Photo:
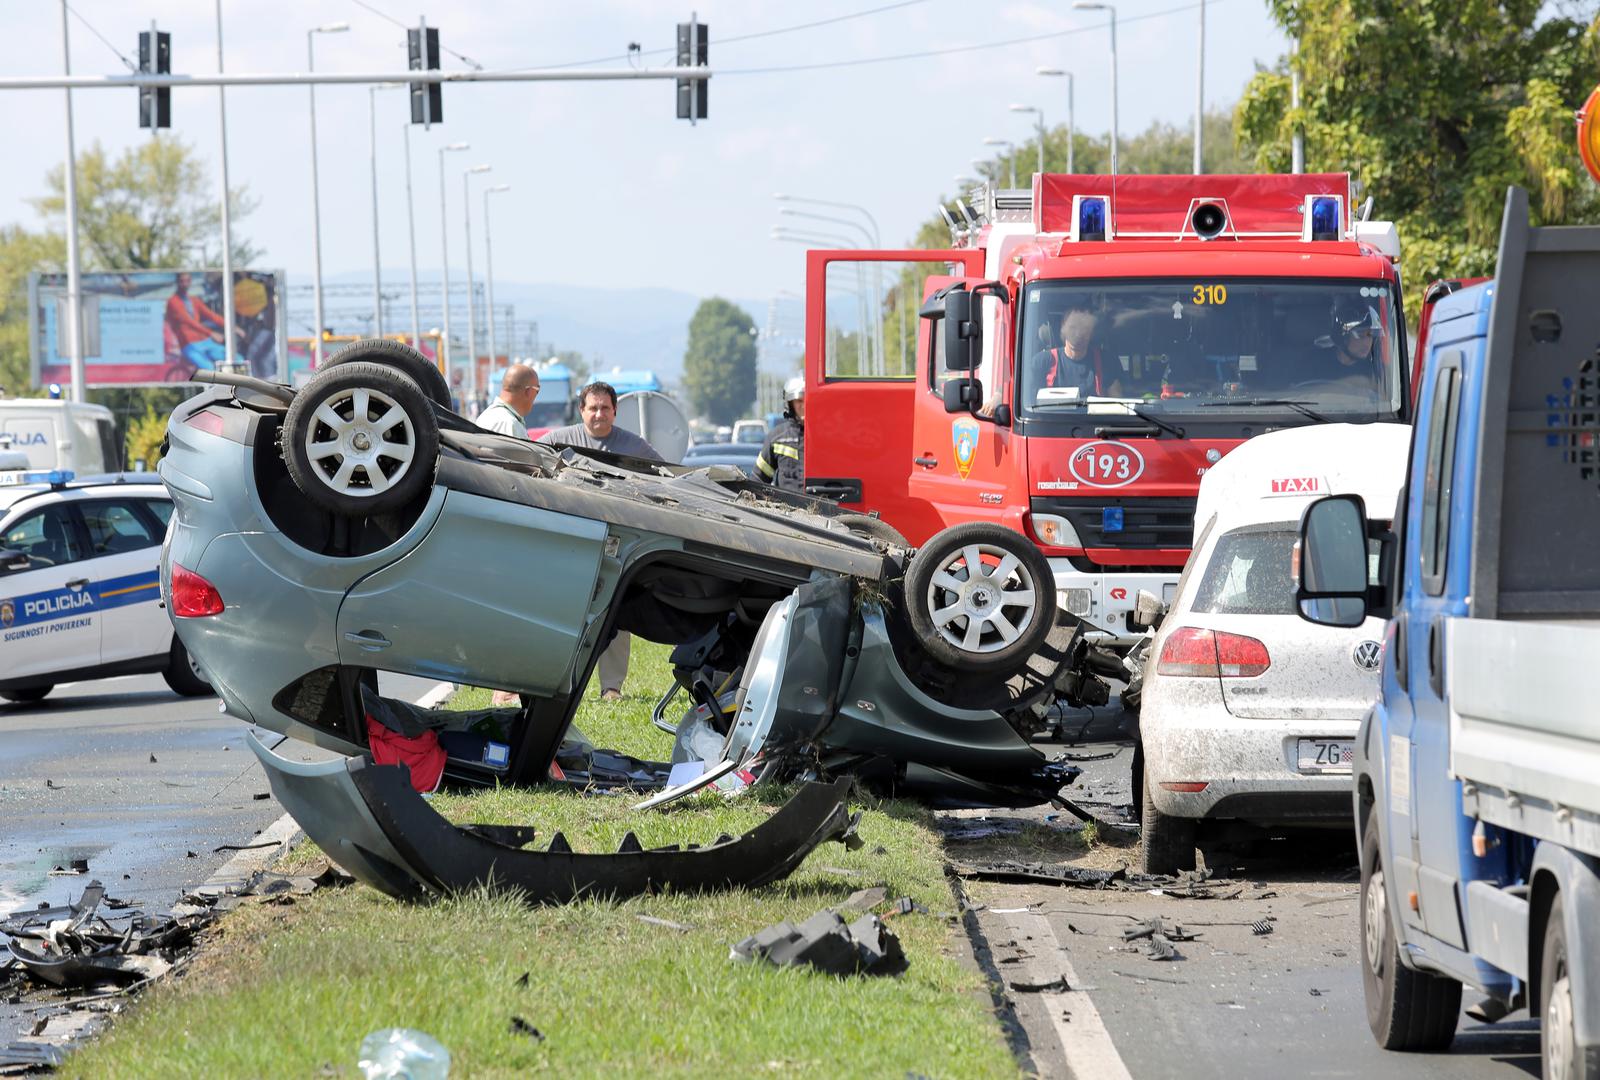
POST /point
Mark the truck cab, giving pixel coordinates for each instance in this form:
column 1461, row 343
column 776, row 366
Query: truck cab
column 1476, row 796
column 1085, row 351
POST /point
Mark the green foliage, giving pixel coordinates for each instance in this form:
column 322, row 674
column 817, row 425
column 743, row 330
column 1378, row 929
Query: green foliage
column 719, row 368
column 154, row 207
column 21, row 253
column 1434, row 108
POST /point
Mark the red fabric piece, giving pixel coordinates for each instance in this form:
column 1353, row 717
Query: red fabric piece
column 423, row 757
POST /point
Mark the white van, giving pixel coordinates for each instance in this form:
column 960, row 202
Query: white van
column 77, row 437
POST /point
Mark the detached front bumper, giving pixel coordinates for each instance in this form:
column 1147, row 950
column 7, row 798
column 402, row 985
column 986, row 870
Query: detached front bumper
column 369, row 820
column 1103, row 601
column 1250, row 768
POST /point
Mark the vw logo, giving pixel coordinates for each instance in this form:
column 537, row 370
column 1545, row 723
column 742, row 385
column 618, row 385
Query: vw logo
column 1368, row 655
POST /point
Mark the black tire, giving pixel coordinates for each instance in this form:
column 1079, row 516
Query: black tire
column 181, row 673
column 1406, row 1009
column 1560, row 1055
column 27, row 695
column 1168, row 842
column 402, row 357
column 874, row 528
column 403, row 456
column 930, row 600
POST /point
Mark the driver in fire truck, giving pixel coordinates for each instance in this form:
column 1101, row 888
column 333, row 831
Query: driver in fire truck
column 1073, row 367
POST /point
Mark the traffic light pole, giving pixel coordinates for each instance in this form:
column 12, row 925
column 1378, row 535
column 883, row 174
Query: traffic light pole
column 229, row 343
column 74, row 284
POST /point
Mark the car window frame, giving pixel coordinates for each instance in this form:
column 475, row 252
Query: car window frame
column 147, row 519
column 75, row 525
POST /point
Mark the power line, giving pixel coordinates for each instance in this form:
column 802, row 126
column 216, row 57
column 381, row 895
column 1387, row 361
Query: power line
column 469, row 61
column 723, row 72
column 131, row 65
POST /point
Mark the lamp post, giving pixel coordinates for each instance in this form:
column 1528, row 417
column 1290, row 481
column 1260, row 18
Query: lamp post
column 862, row 210
column 1059, row 73
column 790, row 211
column 488, row 266
column 1200, row 94
column 1011, row 154
column 316, row 208
column 472, row 318
column 228, row 320
column 411, row 233
column 1095, row 5
column 444, row 247
column 377, row 260
column 1038, row 112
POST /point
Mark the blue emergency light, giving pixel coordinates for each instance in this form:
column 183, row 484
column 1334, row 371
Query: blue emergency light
column 1091, row 218
column 1324, row 218
column 55, row 477
column 1111, row 519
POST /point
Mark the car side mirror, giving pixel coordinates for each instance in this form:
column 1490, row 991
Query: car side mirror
column 963, row 395
column 11, row 561
column 1331, row 587
column 1147, row 610
column 1001, row 415
column 963, row 336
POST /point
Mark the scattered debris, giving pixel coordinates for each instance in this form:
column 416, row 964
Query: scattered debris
column 1142, row 979
column 519, row 1026
column 1261, row 927
column 1160, row 948
column 864, row 899
column 826, row 942
column 1058, row 985
column 957, row 830
column 402, row 1052
column 259, row 796
column 76, row 866
column 1317, row 993
column 152, row 759
column 1188, row 885
column 1157, row 927
column 653, row 921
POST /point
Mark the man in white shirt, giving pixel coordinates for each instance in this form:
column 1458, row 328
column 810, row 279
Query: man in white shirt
column 518, row 390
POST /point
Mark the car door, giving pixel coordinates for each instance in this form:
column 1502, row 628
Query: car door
column 49, row 620
column 123, row 566
column 861, row 345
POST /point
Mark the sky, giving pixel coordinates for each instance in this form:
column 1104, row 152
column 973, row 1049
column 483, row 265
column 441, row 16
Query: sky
column 608, row 188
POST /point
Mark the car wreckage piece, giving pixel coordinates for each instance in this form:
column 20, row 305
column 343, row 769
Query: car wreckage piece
column 369, row 820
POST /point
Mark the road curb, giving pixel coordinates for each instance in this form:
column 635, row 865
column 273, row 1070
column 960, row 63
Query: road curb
column 274, row 842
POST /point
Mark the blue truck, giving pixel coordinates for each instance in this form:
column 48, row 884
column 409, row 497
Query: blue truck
column 1477, row 773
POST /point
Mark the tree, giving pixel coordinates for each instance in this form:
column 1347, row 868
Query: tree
column 719, row 368
column 1434, row 112
column 21, row 253
column 153, row 208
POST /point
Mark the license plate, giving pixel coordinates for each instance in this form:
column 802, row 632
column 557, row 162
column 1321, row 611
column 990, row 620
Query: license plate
column 1326, row 755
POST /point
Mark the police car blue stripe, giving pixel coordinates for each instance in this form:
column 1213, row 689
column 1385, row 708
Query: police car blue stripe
column 61, row 603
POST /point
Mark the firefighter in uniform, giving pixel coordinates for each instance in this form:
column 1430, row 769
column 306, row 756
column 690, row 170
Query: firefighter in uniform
column 782, row 459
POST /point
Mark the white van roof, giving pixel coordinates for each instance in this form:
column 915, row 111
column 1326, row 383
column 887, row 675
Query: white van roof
column 1273, row 477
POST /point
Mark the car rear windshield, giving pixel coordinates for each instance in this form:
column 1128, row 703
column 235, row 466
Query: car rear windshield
column 1251, row 572
column 1212, row 348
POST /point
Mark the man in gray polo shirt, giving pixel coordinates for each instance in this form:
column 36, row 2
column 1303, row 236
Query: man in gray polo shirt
column 599, row 431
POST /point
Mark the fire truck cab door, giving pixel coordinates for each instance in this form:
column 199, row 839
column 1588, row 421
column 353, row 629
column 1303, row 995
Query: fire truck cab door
column 864, row 341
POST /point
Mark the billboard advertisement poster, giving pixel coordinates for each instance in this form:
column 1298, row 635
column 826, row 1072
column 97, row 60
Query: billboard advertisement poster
column 300, row 351
column 148, row 327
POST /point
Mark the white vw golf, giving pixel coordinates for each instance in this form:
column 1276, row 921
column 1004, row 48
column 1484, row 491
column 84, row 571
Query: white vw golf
column 79, row 593
column 1249, row 713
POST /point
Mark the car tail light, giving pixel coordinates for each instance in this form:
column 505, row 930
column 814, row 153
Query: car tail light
column 192, row 595
column 1188, row 787
column 206, row 421
column 1190, row 651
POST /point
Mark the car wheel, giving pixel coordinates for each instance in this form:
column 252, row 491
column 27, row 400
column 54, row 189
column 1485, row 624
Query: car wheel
column 1563, row 1058
column 1406, row 1010
column 872, row 528
column 1168, row 842
column 401, row 357
column 361, row 439
column 980, row 597
column 183, row 674
column 27, row 695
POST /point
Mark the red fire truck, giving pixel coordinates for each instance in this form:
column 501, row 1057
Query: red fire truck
column 1086, row 350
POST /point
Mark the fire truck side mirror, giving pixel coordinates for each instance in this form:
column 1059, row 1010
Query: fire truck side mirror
column 963, row 337
column 963, row 395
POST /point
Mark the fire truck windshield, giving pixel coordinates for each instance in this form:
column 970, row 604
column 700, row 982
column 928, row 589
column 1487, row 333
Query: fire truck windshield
column 1325, row 349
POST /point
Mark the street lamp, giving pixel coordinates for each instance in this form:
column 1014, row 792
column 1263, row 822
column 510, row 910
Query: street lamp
column 377, row 259
column 1011, row 154
column 1200, row 93
column 411, row 232
column 444, row 246
column 1060, row 73
column 1096, row 5
column 968, row 181
column 862, row 210
column 488, row 266
column 1040, row 114
column 316, row 209
column 792, row 212
column 472, row 318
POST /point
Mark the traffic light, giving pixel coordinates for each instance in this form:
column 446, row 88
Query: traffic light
column 693, row 39
column 427, row 99
column 155, row 58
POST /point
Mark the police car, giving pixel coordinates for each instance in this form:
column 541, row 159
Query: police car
column 79, row 592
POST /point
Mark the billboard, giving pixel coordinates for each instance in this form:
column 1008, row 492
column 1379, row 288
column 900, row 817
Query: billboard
column 300, row 351
column 147, row 327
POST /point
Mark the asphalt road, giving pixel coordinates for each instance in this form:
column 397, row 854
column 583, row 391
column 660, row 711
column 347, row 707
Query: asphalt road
column 142, row 783
column 1237, row 1004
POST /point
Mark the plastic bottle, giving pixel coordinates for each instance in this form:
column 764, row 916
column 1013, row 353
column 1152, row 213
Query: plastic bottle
column 403, row 1054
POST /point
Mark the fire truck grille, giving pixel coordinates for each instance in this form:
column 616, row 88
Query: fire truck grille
column 1146, row 523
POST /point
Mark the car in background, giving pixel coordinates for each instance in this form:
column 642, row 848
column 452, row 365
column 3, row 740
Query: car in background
column 748, row 432
column 79, row 591
column 740, row 455
column 1249, row 713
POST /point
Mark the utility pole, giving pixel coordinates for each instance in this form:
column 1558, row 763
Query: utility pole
column 74, row 285
column 1200, row 96
column 228, row 322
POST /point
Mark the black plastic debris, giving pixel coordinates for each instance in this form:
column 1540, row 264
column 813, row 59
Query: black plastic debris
column 1261, row 927
column 1188, row 885
column 519, row 1026
column 829, row 944
column 1058, row 985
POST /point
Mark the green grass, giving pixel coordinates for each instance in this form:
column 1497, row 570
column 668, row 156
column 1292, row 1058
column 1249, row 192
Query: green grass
column 286, row 991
